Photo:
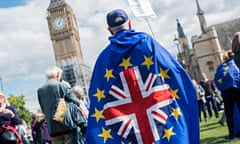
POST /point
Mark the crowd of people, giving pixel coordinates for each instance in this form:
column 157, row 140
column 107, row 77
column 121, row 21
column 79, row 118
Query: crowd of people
column 73, row 128
column 209, row 99
column 43, row 129
column 14, row 130
column 39, row 132
column 224, row 90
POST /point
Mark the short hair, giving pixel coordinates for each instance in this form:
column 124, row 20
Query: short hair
column 228, row 55
column 78, row 91
column 53, row 71
column 119, row 28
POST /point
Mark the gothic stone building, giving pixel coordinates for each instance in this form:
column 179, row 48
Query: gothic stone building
column 208, row 47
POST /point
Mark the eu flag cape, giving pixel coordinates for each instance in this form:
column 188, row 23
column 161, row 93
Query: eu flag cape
column 228, row 75
column 139, row 93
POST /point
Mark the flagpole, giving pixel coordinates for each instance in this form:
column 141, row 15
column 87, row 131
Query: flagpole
column 150, row 27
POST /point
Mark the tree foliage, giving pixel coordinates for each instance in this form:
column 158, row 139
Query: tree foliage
column 19, row 103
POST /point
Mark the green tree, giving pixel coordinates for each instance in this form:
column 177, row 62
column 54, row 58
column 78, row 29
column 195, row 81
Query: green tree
column 19, row 103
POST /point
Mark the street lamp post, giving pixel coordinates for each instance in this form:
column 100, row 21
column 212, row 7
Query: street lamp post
column 175, row 40
column 180, row 56
column 1, row 83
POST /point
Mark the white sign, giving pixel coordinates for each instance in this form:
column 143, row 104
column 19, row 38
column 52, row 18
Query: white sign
column 141, row 8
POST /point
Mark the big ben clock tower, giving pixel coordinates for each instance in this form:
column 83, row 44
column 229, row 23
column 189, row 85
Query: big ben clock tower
column 66, row 43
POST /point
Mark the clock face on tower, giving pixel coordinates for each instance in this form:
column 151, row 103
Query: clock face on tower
column 59, row 23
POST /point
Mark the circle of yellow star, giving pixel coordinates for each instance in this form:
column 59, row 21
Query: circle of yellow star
column 168, row 133
column 174, row 93
column 226, row 67
column 176, row 113
column 126, row 63
column 105, row 134
column 99, row 94
column 164, row 73
column 224, row 73
column 98, row 114
column 219, row 81
column 109, row 74
column 148, row 61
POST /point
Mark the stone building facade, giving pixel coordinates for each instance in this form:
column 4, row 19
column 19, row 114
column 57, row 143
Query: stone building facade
column 208, row 47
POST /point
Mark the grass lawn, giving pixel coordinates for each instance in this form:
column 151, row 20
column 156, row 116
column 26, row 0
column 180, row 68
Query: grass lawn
column 212, row 132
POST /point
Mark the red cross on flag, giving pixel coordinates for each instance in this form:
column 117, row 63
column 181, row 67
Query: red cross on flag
column 137, row 105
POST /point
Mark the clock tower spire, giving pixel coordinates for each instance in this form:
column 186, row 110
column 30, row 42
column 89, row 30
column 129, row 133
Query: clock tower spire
column 56, row 3
column 66, row 43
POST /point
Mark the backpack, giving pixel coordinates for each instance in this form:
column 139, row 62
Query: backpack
column 9, row 135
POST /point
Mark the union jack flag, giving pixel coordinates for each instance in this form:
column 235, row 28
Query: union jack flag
column 140, row 94
column 137, row 103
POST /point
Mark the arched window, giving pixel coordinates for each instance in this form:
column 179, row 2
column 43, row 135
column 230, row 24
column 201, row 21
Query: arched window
column 210, row 65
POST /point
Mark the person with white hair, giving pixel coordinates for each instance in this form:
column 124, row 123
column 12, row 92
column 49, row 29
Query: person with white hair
column 48, row 96
column 84, row 105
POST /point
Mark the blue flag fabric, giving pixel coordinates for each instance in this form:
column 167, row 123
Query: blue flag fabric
column 236, row 118
column 228, row 75
column 139, row 93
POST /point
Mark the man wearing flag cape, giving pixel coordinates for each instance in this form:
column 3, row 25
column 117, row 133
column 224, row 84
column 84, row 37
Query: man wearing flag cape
column 139, row 93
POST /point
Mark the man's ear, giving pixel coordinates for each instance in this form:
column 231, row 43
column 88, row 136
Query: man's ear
column 129, row 24
column 58, row 76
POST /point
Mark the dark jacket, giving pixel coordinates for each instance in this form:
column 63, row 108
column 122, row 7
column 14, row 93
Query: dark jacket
column 6, row 118
column 42, row 132
column 208, row 86
column 48, row 96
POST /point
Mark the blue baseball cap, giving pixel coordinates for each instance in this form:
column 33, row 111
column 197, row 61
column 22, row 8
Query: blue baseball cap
column 116, row 17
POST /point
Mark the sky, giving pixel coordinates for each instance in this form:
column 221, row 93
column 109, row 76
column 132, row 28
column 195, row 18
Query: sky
column 26, row 49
